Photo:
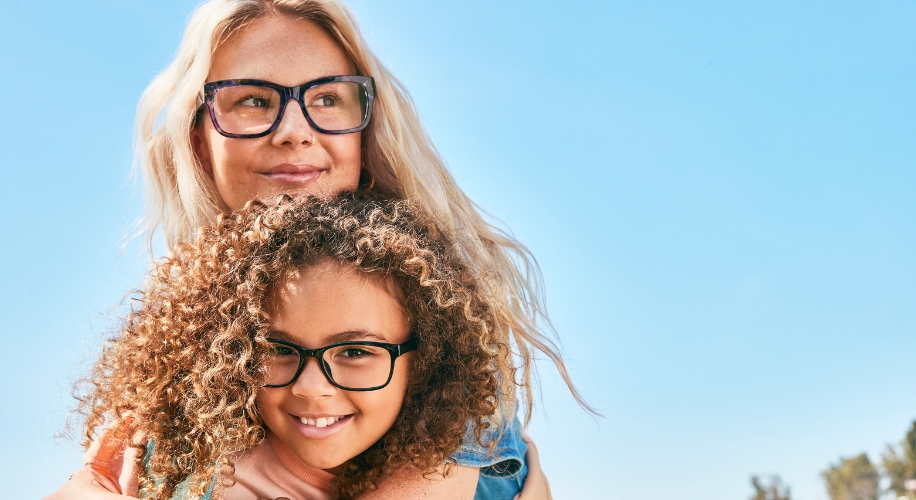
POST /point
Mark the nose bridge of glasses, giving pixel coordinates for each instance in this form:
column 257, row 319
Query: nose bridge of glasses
column 310, row 357
column 294, row 95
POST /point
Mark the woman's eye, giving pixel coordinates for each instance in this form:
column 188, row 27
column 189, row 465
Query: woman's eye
column 255, row 102
column 325, row 101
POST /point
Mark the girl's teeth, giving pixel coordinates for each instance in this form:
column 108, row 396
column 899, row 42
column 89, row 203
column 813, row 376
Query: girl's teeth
column 319, row 422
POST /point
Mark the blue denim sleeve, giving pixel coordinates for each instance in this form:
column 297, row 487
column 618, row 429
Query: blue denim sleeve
column 502, row 470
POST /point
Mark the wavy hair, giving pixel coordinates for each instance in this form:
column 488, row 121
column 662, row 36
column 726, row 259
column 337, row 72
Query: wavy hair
column 396, row 150
column 185, row 370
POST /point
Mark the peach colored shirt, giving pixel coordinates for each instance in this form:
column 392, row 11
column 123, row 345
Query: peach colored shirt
column 270, row 470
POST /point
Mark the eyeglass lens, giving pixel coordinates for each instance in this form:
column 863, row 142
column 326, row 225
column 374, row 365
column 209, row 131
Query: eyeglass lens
column 252, row 109
column 350, row 366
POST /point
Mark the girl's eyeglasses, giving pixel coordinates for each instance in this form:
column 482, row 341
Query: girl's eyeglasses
column 351, row 366
column 245, row 109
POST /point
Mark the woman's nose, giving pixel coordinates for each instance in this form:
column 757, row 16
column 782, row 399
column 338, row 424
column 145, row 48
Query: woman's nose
column 293, row 127
column 312, row 382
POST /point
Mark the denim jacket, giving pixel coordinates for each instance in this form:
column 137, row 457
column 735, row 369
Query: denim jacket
column 503, row 470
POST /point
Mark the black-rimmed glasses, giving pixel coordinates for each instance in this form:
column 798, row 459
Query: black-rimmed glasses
column 351, row 366
column 245, row 109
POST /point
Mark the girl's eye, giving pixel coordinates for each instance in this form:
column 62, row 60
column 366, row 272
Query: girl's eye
column 357, row 353
column 354, row 353
column 280, row 350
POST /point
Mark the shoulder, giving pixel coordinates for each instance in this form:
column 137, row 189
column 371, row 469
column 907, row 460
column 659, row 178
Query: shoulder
column 409, row 484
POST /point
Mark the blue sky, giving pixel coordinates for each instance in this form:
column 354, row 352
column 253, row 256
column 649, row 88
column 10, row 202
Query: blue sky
column 720, row 195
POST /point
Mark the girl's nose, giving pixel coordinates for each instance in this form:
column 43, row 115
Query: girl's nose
column 312, row 383
column 293, row 128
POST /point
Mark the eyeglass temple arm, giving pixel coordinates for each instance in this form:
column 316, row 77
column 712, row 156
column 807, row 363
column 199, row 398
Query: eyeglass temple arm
column 410, row 345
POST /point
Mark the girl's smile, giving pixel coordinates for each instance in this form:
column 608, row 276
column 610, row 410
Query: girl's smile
column 320, row 427
column 326, row 303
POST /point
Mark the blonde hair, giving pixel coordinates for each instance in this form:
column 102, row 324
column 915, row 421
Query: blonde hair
column 396, row 150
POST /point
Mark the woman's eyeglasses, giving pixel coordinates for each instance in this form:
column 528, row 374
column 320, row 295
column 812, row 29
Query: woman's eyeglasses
column 352, row 366
column 247, row 108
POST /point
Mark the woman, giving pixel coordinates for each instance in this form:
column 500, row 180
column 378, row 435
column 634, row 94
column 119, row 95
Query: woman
column 207, row 149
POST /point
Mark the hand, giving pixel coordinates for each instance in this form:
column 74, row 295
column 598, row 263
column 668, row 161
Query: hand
column 536, row 486
column 83, row 486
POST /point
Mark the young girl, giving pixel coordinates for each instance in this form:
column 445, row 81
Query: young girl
column 300, row 349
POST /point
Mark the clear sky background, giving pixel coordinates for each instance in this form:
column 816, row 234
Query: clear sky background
column 720, row 194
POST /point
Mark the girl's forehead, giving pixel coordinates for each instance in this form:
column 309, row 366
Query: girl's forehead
column 281, row 49
column 329, row 298
column 348, row 278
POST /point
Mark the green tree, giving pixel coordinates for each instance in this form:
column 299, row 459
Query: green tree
column 772, row 491
column 853, row 478
column 901, row 466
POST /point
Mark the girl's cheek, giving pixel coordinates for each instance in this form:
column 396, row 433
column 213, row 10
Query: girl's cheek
column 268, row 405
column 397, row 396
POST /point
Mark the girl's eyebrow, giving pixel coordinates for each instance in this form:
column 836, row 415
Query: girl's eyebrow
column 280, row 335
column 356, row 335
column 347, row 336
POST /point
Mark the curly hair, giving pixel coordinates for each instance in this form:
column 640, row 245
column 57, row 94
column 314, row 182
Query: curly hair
column 186, row 367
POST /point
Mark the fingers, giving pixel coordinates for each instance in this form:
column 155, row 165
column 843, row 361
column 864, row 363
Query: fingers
column 532, row 457
column 536, row 486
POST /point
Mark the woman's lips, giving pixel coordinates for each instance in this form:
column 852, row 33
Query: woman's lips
column 310, row 429
column 289, row 173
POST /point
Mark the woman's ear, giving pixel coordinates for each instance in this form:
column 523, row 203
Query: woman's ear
column 201, row 149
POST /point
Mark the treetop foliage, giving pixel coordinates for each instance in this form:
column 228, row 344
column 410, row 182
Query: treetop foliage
column 853, row 478
column 775, row 490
